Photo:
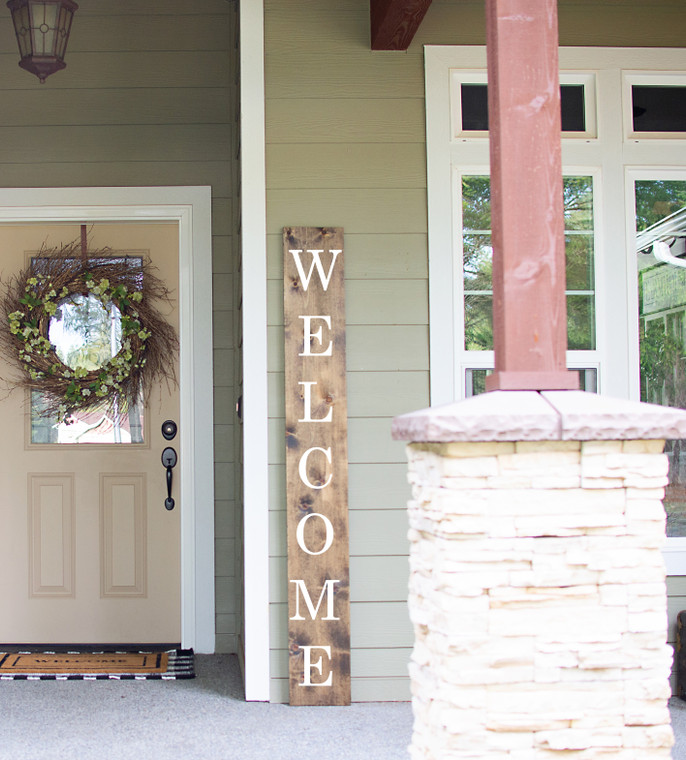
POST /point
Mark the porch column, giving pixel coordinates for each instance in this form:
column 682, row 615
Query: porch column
column 529, row 309
column 537, row 584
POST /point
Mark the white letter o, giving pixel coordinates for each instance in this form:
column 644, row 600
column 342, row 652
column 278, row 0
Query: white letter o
column 300, row 533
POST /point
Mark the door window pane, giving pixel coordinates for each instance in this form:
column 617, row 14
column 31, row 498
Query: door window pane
column 662, row 315
column 86, row 334
column 478, row 261
column 93, row 426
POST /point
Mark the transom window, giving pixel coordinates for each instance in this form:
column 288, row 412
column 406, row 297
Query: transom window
column 474, row 107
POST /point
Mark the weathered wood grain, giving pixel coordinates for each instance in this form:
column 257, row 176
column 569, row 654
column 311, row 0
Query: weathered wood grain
column 317, row 469
column 395, row 22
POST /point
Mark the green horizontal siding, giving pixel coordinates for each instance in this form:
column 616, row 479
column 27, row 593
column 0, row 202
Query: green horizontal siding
column 346, row 147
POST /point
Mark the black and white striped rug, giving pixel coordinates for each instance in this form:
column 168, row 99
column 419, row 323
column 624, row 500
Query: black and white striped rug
column 80, row 665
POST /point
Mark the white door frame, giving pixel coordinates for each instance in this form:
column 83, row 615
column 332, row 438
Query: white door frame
column 191, row 208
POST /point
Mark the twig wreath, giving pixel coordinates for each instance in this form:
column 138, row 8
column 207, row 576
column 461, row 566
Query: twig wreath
column 55, row 278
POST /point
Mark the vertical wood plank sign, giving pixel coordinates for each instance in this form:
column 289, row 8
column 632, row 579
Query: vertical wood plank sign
column 316, row 467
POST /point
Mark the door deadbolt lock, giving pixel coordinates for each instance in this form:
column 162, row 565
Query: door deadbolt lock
column 169, row 429
column 169, row 460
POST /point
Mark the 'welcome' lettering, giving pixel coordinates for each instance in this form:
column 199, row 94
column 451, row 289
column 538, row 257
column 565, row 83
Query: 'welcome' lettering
column 316, row 467
column 327, row 590
column 316, row 262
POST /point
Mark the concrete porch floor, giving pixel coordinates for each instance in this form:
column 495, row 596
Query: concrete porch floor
column 202, row 719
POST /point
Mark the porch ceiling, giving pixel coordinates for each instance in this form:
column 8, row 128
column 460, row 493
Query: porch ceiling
column 395, row 22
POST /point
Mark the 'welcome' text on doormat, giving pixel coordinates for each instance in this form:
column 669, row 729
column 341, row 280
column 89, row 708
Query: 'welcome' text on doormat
column 96, row 665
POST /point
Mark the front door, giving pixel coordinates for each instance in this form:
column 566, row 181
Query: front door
column 90, row 553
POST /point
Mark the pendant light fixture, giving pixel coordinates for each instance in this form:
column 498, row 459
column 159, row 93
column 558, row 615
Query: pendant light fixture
column 42, row 28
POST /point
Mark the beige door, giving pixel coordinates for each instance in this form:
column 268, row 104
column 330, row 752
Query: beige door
column 89, row 552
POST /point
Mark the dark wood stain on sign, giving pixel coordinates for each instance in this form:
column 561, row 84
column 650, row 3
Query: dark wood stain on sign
column 316, row 467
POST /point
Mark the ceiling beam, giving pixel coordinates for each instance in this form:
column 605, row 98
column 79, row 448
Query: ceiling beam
column 395, row 22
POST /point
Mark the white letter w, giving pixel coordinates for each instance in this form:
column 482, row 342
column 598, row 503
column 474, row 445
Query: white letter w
column 316, row 262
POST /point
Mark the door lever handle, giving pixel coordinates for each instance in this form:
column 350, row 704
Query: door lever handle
column 169, row 460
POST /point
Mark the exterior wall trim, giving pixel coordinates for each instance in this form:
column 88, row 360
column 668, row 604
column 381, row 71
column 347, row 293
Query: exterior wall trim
column 255, row 635
column 191, row 208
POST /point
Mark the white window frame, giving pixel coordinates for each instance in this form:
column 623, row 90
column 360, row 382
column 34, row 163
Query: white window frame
column 656, row 78
column 675, row 550
column 612, row 153
column 464, row 359
column 478, row 76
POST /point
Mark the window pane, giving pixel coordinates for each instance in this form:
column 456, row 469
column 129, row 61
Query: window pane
column 578, row 202
column 478, row 328
column 86, row 334
column 474, row 107
column 580, row 323
column 588, row 380
column 476, row 203
column 580, row 268
column 474, row 101
column 656, row 199
column 662, row 326
column 658, row 109
column 572, row 104
column 478, row 262
column 94, row 426
column 475, row 380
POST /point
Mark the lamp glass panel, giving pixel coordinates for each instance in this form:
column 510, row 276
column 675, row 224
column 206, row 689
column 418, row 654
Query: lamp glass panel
column 63, row 29
column 20, row 17
column 44, row 24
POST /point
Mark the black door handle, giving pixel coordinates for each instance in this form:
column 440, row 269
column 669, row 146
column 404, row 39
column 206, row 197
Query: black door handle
column 169, row 460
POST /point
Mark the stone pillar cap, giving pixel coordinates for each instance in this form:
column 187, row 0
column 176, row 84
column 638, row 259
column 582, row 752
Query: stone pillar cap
column 541, row 416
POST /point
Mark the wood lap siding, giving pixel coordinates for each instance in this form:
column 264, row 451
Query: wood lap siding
column 346, row 147
column 148, row 98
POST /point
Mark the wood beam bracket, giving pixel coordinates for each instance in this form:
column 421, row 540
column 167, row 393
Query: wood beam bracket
column 394, row 23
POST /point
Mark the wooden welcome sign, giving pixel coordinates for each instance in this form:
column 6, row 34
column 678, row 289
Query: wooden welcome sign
column 316, row 467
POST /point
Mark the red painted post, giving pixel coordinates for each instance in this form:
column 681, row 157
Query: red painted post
column 529, row 309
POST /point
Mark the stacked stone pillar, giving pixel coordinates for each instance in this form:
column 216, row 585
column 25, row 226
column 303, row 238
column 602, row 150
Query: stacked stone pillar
column 537, row 587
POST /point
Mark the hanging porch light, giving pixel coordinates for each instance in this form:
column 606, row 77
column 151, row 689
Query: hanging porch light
column 42, row 28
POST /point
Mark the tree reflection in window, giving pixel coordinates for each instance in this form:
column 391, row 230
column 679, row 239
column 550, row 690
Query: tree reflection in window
column 478, row 262
column 86, row 335
column 662, row 322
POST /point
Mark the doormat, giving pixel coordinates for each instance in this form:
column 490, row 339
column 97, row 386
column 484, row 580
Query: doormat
column 96, row 666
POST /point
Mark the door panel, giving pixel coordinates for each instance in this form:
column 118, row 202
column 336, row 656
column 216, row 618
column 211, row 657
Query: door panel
column 92, row 555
